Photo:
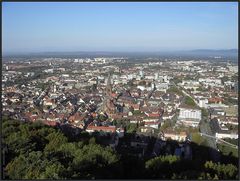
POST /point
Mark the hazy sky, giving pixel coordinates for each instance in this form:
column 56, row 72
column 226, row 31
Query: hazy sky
column 137, row 26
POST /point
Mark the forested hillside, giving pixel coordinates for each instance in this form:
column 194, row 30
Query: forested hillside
column 37, row 151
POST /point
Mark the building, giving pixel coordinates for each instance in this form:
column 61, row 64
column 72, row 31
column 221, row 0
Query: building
column 221, row 131
column 141, row 73
column 190, row 113
column 108, row 105
column 105, row 129
column 170, row 134
column 152, row 124
column 203, row 102
column 189, row 116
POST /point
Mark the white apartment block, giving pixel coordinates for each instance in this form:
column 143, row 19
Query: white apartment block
column 186, row 113
column 210, row 80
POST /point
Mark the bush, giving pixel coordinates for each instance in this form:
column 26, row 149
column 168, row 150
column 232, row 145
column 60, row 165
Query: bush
column 174, row 89
column 189, row 101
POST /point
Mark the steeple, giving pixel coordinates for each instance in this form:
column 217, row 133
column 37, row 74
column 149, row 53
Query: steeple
column 109, row 86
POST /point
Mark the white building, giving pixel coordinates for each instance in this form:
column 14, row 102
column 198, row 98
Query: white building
column 210, row 81
column 189, row 117
column 65, row 75
column 175, row 136
column 164, row 78
column 203, row 103
column 190, row 113
column 222, row 135
column 48, row 70
column 162, row 86
column 141, row 73
column 150, row 77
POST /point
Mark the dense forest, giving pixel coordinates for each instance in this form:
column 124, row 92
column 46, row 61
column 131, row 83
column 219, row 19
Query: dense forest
column 37, row 151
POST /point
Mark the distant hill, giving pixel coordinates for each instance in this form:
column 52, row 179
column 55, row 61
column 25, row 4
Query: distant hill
column 211, row 52
column 216, row 51
column 224, row 53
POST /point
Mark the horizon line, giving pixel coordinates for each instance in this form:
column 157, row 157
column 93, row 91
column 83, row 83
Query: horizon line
column 116, row 51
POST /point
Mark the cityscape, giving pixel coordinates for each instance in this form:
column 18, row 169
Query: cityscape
column 120, row 114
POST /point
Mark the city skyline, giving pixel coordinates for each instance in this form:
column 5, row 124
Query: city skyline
column 119, row 26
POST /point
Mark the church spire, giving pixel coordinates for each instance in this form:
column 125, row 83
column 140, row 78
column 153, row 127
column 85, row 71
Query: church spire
column 109, row 86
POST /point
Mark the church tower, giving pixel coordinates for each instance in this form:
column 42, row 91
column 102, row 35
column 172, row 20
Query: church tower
column 109, row 87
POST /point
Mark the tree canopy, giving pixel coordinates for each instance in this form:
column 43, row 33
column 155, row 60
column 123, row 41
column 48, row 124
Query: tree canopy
column 37, row 151
column 189, row 101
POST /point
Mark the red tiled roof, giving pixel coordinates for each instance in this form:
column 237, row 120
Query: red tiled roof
column 94, row 114
column 33, row 117
column 114, row 95
column 102, row 128
column 61, row 116
column 30, row 116
column 153, row 115
column 215, row 99
column 135, row 106
column 76, row 116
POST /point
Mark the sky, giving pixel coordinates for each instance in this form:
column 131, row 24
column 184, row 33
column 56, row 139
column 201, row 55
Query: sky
column 118, row 26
